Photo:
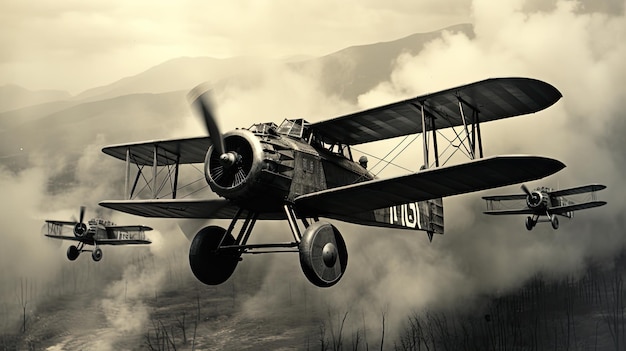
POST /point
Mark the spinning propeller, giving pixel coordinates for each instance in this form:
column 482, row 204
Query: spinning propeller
column 80, row 228
column 532, row 198
column 227, row 159
column 230, row 161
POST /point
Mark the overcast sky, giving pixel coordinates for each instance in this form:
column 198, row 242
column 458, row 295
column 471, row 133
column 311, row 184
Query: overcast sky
column 75, row 45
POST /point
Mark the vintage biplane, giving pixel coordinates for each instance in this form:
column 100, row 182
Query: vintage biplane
column 95, row 232
column 546, row 202
column 299, row 172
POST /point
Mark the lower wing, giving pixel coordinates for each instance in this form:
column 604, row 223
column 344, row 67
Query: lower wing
column 576, row 207
column 578, row 190
column 122, row 242
column 64, row 237
column 524, row 211
column 130, row 228
column 182, row 208
column 428, row 184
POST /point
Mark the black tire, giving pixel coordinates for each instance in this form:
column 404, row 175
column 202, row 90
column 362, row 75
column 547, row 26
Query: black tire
column 529, row 223
column 323, row 254
column 96, row 254
column 209, row 265
column 555, row 222
column 72, row 253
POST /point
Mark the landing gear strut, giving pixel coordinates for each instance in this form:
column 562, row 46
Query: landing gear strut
column 215, row 253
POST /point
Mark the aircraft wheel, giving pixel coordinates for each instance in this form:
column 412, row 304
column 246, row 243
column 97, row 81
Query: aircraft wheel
column 210, row 266
column 555, row 222
column 97, row 254
column 323, row 254
column 529, row 223
column 72, row 253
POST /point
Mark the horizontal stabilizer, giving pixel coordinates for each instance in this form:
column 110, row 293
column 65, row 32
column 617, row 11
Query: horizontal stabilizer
column 182, row 208
column 169, row 152
column 428, row 184
column 578, row 190
column 576, row 207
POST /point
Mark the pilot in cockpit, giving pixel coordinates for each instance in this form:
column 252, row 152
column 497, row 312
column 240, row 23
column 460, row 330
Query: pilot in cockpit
column 363, row 161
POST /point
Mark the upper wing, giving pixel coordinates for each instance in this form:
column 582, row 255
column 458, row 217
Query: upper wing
column 428, row 184
column 169, row 152
column 505, row 197
column 510, row 212
column 579, row 190
column 576, row 207
column 493, row 99
column 182, row 208
column 61, row 222
column 122, row 242
column 130, row 228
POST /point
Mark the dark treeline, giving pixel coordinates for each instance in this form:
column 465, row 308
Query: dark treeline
column 583, row 312
column 574, row 313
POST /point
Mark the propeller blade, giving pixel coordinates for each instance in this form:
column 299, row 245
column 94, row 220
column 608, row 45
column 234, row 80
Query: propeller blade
column 525, row 189
column 202, row 101
column 82, row 214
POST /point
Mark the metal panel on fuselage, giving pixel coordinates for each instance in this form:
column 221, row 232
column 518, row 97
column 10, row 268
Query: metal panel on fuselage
column 308, row 175
column 423, row 215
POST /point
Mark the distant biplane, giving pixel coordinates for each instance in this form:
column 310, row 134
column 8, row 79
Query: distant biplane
column 96, row 232
column 301, row 171
column 545, row 201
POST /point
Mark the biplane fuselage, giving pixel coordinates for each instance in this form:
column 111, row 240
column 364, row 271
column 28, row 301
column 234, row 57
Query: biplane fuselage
column 95, row 232
column 289, row 161
column 545, row 202
column 302, row 171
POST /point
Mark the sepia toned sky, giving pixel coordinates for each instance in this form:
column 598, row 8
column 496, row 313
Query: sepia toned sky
column 75, row 45
column 577, row 46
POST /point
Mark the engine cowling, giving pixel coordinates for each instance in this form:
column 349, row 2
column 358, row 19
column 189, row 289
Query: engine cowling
column 537, row 199
column 234, row 180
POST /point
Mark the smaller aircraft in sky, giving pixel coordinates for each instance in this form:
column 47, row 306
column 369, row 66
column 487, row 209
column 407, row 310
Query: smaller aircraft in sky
column 96, row 232
column 545, row 201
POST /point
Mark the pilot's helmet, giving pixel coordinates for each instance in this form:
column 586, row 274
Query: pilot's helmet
column 363, row 161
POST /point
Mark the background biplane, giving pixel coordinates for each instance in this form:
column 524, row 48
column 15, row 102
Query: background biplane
column 96, row 232
column 547, row 202
column 300, row 171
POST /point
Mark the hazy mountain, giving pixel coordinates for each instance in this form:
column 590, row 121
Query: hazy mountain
column 67, row 129
column 148, row 104
column 177, row 74
column 342, row 66
column 357, row 69
column 14, row 97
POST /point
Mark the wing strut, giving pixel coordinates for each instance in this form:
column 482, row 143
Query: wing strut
column 467, row 134
column 424, row 139
column 470, row 138
column 154, row 182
